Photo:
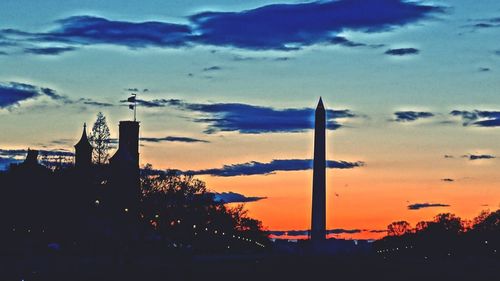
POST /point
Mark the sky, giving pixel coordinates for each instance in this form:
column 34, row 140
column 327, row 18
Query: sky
column 227, row 91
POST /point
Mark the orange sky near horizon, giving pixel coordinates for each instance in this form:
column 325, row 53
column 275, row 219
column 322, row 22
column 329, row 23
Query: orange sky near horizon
column 404, row 166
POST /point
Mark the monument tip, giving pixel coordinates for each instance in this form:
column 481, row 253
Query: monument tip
column 320, row 103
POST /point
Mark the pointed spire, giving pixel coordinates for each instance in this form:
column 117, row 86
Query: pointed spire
column 320, row 103
column 84, row 141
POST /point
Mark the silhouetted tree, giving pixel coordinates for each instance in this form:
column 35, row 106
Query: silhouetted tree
column 398, row 228
column 180, row 208
column 100, row 139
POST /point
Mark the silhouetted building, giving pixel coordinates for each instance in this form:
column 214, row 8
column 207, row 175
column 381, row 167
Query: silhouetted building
column 128, row 147
column 31, row 158
column 83, row 151
column 125, row 180
column 318, row 221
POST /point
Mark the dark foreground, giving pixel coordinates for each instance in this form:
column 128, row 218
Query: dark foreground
column 263, row 267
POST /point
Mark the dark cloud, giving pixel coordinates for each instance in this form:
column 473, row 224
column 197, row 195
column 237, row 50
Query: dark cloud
column 21, row 153
column 172, row 139
column 259, row 168
column 485, row 23
column 273, row 27
column 402, row 51
column 479, row 118
column 152, row 103
column 136, row 90
column 418, row 206
column 408, row 116
column 378, row 231
column 484, row 69
column 50, row 51
column 293, row 26
column 250, row 119
column 96, row 103
column 306, row 232
column 89, row 30
column 343, row 231
column 447, row 180
column 12, row 93
column 339, row 40
column 479, row 156
column 232, row 197
column 212, row 68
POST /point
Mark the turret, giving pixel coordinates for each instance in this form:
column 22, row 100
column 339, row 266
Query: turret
column 83, row 151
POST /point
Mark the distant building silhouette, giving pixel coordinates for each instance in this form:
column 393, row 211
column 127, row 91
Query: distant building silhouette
column 31, row 158
column 318, row 221
column 83, row 151
column 125, row 180
column 128, row 147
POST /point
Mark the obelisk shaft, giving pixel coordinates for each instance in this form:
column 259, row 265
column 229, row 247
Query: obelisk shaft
column 318, row 222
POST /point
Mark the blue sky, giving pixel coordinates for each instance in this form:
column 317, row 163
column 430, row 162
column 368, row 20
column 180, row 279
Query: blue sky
column 232, row 84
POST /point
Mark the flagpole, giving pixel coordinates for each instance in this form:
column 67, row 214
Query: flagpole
column 135, row 108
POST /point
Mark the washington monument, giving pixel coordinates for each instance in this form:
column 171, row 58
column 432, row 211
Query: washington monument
column 318, row 221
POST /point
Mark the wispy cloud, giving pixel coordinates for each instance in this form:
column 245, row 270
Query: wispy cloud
column 298, row 233
column 232, row 197
column 418, row 206
column 21, row 153
column 479, row 118
column 260, row 168
column 172, row 139
column 402, row 52
column 478, row 156
column 13, row 93
column 49, row 51
column 409, row 116
column 212, row 68
column 251, row 119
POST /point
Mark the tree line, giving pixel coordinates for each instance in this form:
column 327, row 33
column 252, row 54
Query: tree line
column 447, row 235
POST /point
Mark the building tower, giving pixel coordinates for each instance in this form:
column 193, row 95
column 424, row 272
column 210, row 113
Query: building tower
column 125, row 167
column 128, row 146
column 83, row 151
column 318, row 221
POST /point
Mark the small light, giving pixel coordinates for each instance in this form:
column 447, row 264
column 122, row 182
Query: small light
column 126, row 210
column 223, row 233
column 178, row 221
column 97, row 202
column 486, row 242
column 215, row 231
column 157, row 216
column 206, row 228
column 29, row 230
column 228, row 246
column 194, row 225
